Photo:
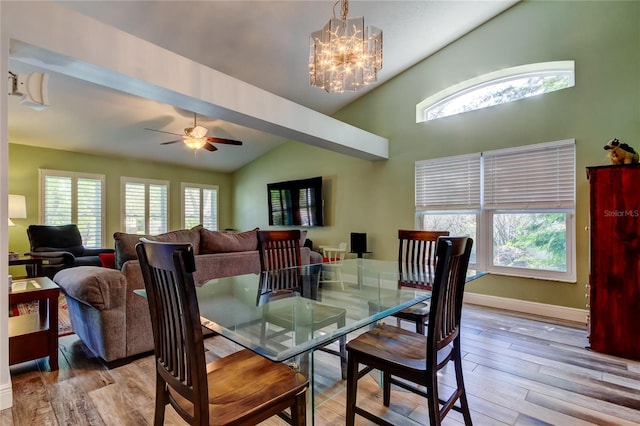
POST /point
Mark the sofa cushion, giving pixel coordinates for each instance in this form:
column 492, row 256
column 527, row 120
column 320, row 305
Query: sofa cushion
column 99, row 287
column 227, row 242
column 126, row 243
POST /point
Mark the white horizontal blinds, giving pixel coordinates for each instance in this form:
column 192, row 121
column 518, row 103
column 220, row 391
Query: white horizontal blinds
column 448, row 184
column 57, row 200
column 89, row 211
column 158, row 205
column 540, row 176
column 210, row 209
column 192, row 207
column 135, row 208
column 70, row 197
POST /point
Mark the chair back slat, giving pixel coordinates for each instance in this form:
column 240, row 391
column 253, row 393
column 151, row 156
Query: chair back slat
column 168, row 269
column 447, row 292
column 417, row 257
column 279, row 249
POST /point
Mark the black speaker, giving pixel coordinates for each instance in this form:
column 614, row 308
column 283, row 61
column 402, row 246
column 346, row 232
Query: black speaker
column 358, row 242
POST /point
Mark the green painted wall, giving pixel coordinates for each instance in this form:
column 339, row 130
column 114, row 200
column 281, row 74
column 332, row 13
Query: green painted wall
column 24, row 162
column 377, row 197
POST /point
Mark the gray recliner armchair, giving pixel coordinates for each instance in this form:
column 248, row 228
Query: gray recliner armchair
column 61, row 247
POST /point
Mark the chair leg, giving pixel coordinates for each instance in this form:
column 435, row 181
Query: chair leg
column 342, row 342
column 464, row 404
column 299, row 410
column 420, row 325
column 386, row 388
column 433, row 403
column 352, row 389
column 161, row 401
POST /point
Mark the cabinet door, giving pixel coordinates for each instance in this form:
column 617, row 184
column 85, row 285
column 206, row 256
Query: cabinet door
column 615, row 260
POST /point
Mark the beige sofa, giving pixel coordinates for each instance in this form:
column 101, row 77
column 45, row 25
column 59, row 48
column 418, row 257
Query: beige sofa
column 113, row 321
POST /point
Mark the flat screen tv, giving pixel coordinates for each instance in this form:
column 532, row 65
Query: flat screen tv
column 296, row 203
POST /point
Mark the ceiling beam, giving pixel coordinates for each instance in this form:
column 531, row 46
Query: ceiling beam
column 72, row 44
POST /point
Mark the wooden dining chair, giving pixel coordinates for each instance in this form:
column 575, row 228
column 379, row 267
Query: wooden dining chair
column 411, row 360
column 241, row 388
column 280, row 251
column 416, row 268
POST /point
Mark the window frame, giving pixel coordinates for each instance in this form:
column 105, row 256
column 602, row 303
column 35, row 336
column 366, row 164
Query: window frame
column 201, row 187
column 485, row 218
column 496, row 77
column 74, row 176
column 147, row 182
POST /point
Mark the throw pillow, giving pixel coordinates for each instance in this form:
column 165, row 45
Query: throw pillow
column 227, row 242
column 126, row 243
column 108, row 260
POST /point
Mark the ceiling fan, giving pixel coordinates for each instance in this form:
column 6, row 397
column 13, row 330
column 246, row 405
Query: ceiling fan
column 195, row 137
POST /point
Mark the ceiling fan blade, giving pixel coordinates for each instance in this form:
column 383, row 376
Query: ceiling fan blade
column 170, row 142
column 223, row 141
column 209, row 147
column 162, row 131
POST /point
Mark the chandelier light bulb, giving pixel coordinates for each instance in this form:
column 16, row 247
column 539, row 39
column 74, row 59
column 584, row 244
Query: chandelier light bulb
column 345, row 55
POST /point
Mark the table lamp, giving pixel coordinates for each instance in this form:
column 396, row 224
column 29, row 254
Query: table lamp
column 17, row 208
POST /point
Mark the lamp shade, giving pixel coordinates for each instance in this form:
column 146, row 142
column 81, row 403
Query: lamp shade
column 17, row 208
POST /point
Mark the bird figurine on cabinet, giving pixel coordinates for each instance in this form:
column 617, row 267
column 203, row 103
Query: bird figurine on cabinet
column 621, row 153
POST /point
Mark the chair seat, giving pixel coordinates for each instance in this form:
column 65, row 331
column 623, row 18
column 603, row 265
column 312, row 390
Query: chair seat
column 242, row 384
column 418, row 310
column 395, row 346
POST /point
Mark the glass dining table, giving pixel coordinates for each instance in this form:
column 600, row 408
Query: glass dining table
column 250, row 310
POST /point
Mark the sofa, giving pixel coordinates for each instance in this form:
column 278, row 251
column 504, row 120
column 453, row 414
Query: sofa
column 113, row 321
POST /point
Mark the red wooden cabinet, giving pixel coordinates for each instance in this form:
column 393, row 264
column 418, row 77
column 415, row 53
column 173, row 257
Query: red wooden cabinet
column 615, row 260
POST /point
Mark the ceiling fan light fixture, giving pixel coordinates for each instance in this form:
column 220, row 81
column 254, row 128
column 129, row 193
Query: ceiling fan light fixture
column 345, row 55
column 196, row 132
column 194, row 143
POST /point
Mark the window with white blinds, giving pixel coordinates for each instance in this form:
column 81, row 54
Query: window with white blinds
column 145, row 206
column 518, row 204
column 69, row 197
column 451, row 183
column 199, row 206
column 536, row 176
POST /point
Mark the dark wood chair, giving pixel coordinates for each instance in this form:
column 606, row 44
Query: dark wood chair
column 416, row 268
column 242, row 388
column 410, row 360
column 280, row 255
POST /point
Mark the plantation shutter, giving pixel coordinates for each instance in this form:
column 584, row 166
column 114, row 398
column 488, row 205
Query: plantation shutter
column 158, row 209
column 89, row 211
column 135, row 208
column 146, row 206
column 448, row 184
column 210, row 209
column 69, row 197
column 200, row 206
column 58, row 200
column 535, row 176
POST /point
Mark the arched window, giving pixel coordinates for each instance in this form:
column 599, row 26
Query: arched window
column 499, row 87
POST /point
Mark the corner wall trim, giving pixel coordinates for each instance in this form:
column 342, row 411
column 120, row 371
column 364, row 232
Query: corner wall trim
column 534, row 308
column 6, row 396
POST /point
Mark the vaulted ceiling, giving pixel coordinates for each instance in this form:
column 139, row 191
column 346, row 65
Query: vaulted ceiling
column 263, row 43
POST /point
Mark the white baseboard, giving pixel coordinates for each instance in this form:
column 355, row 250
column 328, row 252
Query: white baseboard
column 534, row 308
column 6, row 396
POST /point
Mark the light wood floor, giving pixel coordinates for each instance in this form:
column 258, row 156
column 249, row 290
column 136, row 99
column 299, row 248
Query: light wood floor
column 519, row 370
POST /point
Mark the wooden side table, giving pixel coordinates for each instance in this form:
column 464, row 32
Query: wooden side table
column 36, row 262
column 34, row 336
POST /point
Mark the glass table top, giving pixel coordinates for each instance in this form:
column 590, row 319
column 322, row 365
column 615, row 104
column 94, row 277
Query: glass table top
column 310, row 305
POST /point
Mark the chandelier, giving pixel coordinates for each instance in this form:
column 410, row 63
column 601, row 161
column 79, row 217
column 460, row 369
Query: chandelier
column 345, row 55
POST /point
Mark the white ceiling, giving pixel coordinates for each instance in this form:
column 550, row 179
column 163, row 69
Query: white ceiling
column 264, row 43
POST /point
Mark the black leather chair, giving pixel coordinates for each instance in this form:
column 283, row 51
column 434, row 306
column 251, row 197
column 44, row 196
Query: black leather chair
column 61, row 247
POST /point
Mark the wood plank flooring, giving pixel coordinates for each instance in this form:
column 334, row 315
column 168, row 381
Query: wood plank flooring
column 519, row 370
